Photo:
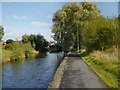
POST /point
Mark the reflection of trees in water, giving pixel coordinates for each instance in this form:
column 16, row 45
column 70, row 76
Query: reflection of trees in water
column 38, row 56
column 41, row 55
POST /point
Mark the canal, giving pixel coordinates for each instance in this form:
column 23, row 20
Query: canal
column 32, row 73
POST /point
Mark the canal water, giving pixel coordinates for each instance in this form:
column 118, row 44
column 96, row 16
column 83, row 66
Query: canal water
column 35, row 73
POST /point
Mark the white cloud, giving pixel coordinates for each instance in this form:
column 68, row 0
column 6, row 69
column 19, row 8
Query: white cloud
column 19, row 17
column 37, row 23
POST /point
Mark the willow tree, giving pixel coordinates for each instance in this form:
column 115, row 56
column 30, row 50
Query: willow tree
column 68, row 18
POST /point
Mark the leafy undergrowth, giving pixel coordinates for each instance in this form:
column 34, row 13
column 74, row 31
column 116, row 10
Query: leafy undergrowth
column 105, row 64
column 8, row 54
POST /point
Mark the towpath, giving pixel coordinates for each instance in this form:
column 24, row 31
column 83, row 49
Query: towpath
column 77, row 74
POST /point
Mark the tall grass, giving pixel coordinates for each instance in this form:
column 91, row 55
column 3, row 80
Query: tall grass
column 105, row 64
column 6, row 54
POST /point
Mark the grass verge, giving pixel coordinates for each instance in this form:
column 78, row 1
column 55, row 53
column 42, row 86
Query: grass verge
column 6, row 55
column 105, row 64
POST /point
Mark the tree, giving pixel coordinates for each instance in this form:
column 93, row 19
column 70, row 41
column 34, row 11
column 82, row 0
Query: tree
column 32, row 40
column 100, row 34
column 40, row 43
column 68, row 18
column 25, row 38
column 9, row 41
column 1, row 32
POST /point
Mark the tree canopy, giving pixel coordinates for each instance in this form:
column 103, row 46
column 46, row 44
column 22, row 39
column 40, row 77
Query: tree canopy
column 9, row 41
column 38, row 42
column 81, row 24
column 68, row 18
column 25, row 38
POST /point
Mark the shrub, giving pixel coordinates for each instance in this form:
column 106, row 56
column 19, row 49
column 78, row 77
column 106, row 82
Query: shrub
column 12, row 46
column 27, row 49
column 16, row 50
column 16, row 55
column 9, row 41
column 19, row 51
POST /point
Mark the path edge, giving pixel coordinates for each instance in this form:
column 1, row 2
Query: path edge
column 94, row 71
column 56, row 81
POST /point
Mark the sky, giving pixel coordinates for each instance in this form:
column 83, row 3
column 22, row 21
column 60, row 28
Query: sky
column 19, row 18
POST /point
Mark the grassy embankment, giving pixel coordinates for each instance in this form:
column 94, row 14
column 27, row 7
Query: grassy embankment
column 7, row 55
column 104, row 63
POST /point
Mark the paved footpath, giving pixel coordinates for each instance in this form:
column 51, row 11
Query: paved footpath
column 78, row 74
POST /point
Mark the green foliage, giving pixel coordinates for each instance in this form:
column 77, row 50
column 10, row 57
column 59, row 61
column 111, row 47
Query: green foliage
column 16, row 54
column 66, row 21
column 82, row 23
column 33, row 44
column 6, row 55
column 38, row 42
column 3, row 47
column 32, row 38
column 1, row 32
column 25, row 38
column 105, row 64
column 9, row 41
column 18, row 50
column 12, row 46
column 27, row 48
column 100, row 34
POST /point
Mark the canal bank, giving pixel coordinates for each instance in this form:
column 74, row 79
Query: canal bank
column 76, row 74
column 6, row 56
column 55, row 83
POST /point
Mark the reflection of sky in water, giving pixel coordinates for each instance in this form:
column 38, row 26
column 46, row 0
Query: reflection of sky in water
column 35, row 73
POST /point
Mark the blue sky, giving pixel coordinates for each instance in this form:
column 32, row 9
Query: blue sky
column 21, row 18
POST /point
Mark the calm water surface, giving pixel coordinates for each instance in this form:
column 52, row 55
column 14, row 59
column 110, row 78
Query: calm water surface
column 34, row 73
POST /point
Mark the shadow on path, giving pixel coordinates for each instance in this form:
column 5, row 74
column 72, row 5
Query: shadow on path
column 74, row 54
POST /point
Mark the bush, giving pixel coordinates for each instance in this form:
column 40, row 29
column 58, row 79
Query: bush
column 12, row 46
column 100, row 34
column 27, row 49
column 19, row 50
column 16, row 50
column 16, row 54
column 9, row 41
